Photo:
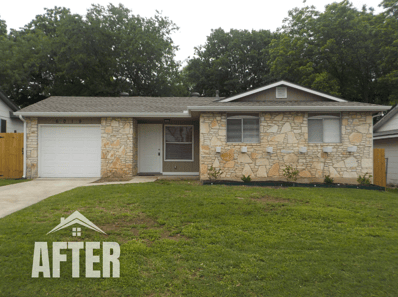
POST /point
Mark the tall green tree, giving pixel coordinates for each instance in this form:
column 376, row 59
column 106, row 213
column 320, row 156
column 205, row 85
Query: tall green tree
column 231, row 62
column 104, row 53
column 341, row 51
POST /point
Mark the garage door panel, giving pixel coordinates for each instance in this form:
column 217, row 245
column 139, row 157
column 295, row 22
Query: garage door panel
column 70, row 151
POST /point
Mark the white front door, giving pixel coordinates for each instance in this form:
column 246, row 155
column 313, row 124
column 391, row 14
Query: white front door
column 150, row 148
column 69, row 151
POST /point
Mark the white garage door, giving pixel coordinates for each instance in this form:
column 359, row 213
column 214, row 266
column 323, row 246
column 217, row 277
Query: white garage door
column 70, row 151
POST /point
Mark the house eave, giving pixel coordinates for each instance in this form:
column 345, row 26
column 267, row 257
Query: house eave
column 385, row 119
column 385, row 137
column 105, row 114
column 287, row 108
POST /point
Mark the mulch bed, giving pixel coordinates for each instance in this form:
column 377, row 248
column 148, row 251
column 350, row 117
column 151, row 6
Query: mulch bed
column 284, row 184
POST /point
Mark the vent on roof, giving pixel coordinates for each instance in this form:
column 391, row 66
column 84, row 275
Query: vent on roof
column 195, row 94
column 281, row 92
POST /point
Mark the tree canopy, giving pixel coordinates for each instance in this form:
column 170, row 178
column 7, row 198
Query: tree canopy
column 231, row 62
column 104, row 53
column 343, row 51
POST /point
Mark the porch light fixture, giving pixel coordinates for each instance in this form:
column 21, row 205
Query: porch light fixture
column 243, row 149
column 269, row 149
column 218, row 149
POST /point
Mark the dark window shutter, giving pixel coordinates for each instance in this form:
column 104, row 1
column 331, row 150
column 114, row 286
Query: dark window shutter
column 3, row 126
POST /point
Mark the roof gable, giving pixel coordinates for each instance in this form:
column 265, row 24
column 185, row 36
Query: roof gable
column 8, row 102
column 283, row 83
column 389, row 121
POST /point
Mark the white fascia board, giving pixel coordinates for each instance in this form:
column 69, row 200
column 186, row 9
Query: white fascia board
column 384, row 137
column 282, row 82
column 288, row 108
column 104, row 114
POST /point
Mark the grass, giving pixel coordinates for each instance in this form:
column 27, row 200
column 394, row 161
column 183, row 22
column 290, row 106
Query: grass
column 6, row 182
column 179, row 238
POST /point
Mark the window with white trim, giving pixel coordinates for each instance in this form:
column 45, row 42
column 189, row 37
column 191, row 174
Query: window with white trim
column 178, row 143
column 243, row 128
column 324, row 128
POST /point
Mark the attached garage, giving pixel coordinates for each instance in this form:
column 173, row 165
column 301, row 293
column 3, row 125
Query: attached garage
column 69, row 151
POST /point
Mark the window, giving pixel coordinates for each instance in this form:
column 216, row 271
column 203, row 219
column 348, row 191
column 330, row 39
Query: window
column 3, row 126
column 243, row 128
column 178, row 143
column 324, row 128
column 281, row 92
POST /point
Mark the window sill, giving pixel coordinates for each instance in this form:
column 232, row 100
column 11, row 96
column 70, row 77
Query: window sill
column 179, row 160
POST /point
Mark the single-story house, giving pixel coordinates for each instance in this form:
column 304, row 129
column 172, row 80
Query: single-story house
column 256, row 133
column 385, row 135
column 9, row 123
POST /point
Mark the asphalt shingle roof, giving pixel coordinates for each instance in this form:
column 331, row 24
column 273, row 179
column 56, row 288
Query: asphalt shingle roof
column 158, row 104
column 117, row 104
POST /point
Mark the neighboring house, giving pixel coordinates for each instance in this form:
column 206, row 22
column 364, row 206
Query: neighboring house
column 9, row 123
column 385, row 135
column 259, row 132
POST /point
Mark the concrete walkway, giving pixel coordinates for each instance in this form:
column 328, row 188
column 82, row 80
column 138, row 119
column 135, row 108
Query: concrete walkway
column 18, row 196
column 134, row 180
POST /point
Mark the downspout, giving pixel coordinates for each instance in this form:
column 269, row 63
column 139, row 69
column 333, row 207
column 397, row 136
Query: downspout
column 24, row 146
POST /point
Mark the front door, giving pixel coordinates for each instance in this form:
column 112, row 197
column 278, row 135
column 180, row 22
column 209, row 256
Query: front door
column 150, row 148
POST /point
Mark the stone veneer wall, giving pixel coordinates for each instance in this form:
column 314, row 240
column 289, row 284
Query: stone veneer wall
column 286, row 132
column 117, row 158
column 32, row 148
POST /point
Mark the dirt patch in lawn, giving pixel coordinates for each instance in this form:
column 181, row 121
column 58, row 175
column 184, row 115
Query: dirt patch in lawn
column 138, row 225
column 270, row 199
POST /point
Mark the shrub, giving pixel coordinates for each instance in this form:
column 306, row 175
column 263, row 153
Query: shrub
column 363, row 180
column 290, row 173
column 328, row 179
column 246, row 179
column 214, row 173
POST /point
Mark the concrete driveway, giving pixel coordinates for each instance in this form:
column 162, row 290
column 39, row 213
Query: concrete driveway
column 18, row 196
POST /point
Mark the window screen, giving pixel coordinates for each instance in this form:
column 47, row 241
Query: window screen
column 324, row 128
column 243, row 129
column 179, row 143
column 315, row 130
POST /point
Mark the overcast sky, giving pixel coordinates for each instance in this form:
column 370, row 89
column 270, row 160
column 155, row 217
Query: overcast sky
column 195, row 18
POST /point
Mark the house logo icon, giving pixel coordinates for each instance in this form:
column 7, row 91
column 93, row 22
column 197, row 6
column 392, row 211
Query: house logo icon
column 76, row 218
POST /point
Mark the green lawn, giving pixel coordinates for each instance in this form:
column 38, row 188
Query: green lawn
column 6, row 182
column 179, row 238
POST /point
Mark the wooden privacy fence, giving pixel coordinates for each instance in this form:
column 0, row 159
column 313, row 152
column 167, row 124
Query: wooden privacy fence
column 379, row 167
column 11, row 155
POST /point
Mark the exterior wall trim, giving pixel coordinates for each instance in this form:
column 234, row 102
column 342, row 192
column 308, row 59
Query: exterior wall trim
column 288, row 108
